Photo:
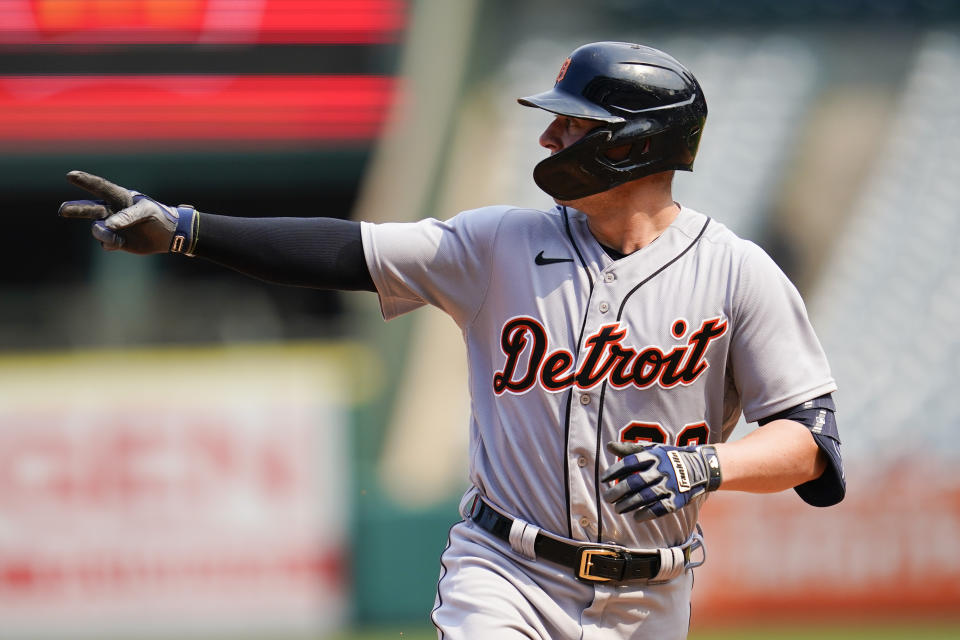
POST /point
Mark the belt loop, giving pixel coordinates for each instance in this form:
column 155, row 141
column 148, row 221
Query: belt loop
column 523, row 535
column 672, row 564
column 529, row 540
column 469, row 503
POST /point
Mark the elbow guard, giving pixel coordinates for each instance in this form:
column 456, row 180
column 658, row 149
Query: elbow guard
column 817, row 415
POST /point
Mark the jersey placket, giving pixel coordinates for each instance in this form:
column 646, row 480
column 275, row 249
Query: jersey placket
column 585, row 415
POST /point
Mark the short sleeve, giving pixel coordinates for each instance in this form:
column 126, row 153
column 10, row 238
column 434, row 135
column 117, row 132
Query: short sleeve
column 442, row 263
column 776, row 358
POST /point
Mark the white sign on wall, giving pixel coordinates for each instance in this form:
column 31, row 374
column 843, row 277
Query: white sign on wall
column 150, row 493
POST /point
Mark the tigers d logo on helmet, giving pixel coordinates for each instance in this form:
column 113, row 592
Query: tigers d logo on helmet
column 563, row 71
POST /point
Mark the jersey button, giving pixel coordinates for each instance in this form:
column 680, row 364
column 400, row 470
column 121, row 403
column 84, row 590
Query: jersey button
column 584, row 522
column 609, row 277
column 584, row 398
column 604, row 307
column 581, row 461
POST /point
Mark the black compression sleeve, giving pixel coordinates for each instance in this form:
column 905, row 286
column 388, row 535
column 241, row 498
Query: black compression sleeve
column 322, row 253
column 817, row 415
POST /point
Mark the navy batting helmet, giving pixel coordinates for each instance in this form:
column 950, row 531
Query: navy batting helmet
column 645, row 100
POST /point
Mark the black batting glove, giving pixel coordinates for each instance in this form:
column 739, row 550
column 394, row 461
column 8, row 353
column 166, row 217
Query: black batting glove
column 128, row 220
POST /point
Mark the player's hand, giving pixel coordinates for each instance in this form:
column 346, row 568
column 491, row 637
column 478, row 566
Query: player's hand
column 128, row 220
column 656, row 479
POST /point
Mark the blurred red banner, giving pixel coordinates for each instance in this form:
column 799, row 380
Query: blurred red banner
column 185, row 111
column 200, row 21
column 890, row 550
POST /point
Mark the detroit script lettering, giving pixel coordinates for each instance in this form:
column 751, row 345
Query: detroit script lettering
column 605, row 358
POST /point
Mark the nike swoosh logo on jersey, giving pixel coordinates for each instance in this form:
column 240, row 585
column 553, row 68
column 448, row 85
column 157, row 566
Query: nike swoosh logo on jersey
column 540, row 260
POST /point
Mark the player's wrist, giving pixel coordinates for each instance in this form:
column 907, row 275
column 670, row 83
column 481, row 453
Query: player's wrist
column 712, row 462
column 186, row 233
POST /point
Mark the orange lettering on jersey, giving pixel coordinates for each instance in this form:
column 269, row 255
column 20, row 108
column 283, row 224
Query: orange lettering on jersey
column 529, row 360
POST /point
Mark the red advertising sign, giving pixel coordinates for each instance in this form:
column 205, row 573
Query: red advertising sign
column 168, row 111
column 891, row 548
column 200, row 21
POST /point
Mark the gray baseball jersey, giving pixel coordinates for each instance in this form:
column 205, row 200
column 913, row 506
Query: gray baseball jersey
column 569, row 349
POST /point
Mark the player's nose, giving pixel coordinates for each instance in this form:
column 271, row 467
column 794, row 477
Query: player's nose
column 550, row 138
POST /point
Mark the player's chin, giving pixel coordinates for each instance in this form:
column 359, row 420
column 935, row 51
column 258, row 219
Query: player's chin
column 575, row 203
column 570, row 202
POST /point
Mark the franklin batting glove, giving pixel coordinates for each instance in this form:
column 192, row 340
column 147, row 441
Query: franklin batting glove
column 128, row 220
column 657, row 479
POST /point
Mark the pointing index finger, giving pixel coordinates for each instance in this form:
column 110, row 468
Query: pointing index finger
column 115, row 196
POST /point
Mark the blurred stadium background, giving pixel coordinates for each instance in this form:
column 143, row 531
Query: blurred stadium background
column 185, row 452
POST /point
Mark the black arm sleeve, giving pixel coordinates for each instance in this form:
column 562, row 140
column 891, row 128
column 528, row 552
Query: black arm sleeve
column 817, row 415
column 322, row 253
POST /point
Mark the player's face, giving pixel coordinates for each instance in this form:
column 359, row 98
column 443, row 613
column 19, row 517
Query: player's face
column 564, row 131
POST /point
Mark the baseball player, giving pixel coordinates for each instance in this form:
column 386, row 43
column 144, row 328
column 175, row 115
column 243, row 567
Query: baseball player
column 613, row 342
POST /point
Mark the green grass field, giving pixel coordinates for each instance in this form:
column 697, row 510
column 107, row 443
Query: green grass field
column 944, row 631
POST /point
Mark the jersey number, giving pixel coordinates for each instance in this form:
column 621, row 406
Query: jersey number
column 695, row 433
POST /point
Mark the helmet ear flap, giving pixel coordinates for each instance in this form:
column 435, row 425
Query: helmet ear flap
column 618, row 155
column 626, row 154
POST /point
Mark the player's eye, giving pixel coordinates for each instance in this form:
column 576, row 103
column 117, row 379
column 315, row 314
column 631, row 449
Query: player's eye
column 579, row 126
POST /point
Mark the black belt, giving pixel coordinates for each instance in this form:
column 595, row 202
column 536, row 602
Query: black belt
column 590, row 563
